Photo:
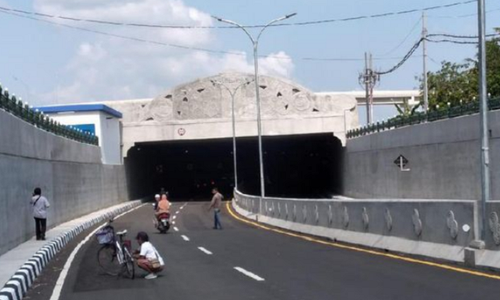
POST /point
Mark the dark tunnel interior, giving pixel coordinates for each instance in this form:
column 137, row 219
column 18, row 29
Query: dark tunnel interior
column 301, row 166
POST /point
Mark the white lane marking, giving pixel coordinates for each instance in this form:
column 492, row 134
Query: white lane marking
column 56, row 293
column 177, row 212
column 205, row 250
column 175, row 217
column 249, row 274
column 176, row 229
column 173, row 222
column 185, row 238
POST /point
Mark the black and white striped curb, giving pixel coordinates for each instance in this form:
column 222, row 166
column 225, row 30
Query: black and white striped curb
column 18, row 285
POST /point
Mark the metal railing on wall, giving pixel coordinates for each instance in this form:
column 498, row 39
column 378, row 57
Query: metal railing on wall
column 38, row 119
column 440, row 113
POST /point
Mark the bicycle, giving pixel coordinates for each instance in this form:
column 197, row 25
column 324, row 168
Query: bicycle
column 114, row 256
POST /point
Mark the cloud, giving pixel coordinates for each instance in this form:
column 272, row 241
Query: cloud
column 108, row 68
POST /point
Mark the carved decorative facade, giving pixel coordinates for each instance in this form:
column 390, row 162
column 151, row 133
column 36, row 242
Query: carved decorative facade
column 209, row 98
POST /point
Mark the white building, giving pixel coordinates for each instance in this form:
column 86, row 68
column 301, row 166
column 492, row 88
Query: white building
column 99, row 119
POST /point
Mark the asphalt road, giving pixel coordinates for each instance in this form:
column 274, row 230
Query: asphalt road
column 273, row 266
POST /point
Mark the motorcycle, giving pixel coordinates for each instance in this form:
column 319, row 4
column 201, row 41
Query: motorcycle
column 163, row 222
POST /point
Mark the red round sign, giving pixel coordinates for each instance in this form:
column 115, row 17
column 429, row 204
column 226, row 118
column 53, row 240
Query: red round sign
column 181, row 131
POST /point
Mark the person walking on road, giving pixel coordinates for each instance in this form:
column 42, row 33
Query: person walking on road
column 147, row 257
column 216, row 204
column 40, row 205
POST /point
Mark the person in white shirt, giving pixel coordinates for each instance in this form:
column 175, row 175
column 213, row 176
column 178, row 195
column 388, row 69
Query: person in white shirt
column 147, row 256
column 40, row 205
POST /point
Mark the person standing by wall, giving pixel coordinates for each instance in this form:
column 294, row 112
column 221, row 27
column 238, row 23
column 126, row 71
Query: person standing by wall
column 40, row 205
column 216, row 204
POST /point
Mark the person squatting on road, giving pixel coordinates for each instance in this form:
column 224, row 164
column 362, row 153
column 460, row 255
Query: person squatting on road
column 40, row 205
column 147, row 257
column 216, row 205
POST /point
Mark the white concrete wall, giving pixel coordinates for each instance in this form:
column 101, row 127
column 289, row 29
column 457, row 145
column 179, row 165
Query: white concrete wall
column 70, row 174
column 110, row 139
column 444, row 158
column 107, row 129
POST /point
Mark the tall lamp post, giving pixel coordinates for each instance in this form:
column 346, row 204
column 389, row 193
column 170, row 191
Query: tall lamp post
column 483, row 99
column 255, row 43
column 233, row 92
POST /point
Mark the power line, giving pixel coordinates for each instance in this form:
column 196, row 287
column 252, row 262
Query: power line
column 452, row 42
column 162, row 26
column 463, row 16
column 142, row 40
column 443, row 40
column 123, row 36
column 405, row 58
column 446, row 35
column 352, row 59
column 405, row 39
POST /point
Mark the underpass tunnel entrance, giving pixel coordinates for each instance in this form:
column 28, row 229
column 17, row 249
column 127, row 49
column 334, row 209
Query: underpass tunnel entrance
column 295, row 166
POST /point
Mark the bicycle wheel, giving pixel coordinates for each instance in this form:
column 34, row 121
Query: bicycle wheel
column 129, row 263
column 106, row 257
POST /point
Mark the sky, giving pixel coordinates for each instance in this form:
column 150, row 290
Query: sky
column 47, row 63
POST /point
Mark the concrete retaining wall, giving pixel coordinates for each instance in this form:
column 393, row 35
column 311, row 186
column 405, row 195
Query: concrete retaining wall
column 419, row 227
column 70, row 174
column 493, row 226
column 443, row 161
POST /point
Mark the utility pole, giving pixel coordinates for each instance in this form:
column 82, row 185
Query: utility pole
column 367, row 91
column 483, row 108
column 373, row 80
column 424, row 49
column 369, row 78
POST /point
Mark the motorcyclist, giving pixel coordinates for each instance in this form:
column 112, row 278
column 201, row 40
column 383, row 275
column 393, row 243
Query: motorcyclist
column 157, row 199
column 163, row 206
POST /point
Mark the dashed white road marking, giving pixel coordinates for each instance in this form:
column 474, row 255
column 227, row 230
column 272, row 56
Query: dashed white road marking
column 205, row 251
column 176, row 229
column 177, row 212
column 173, row 222
column 185, row 238
column 249, row 274
column 175, row 217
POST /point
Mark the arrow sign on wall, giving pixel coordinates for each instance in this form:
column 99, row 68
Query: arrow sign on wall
column 401, row 162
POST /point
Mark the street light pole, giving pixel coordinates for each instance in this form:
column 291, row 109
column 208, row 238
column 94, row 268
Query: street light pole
column 424, row 51
column 233, row 94
column 255, row 43
column 345, row 118
column 483, row 99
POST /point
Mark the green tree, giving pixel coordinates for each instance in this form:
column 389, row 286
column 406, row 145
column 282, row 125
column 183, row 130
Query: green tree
column 456, row 82
column 451, row 84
